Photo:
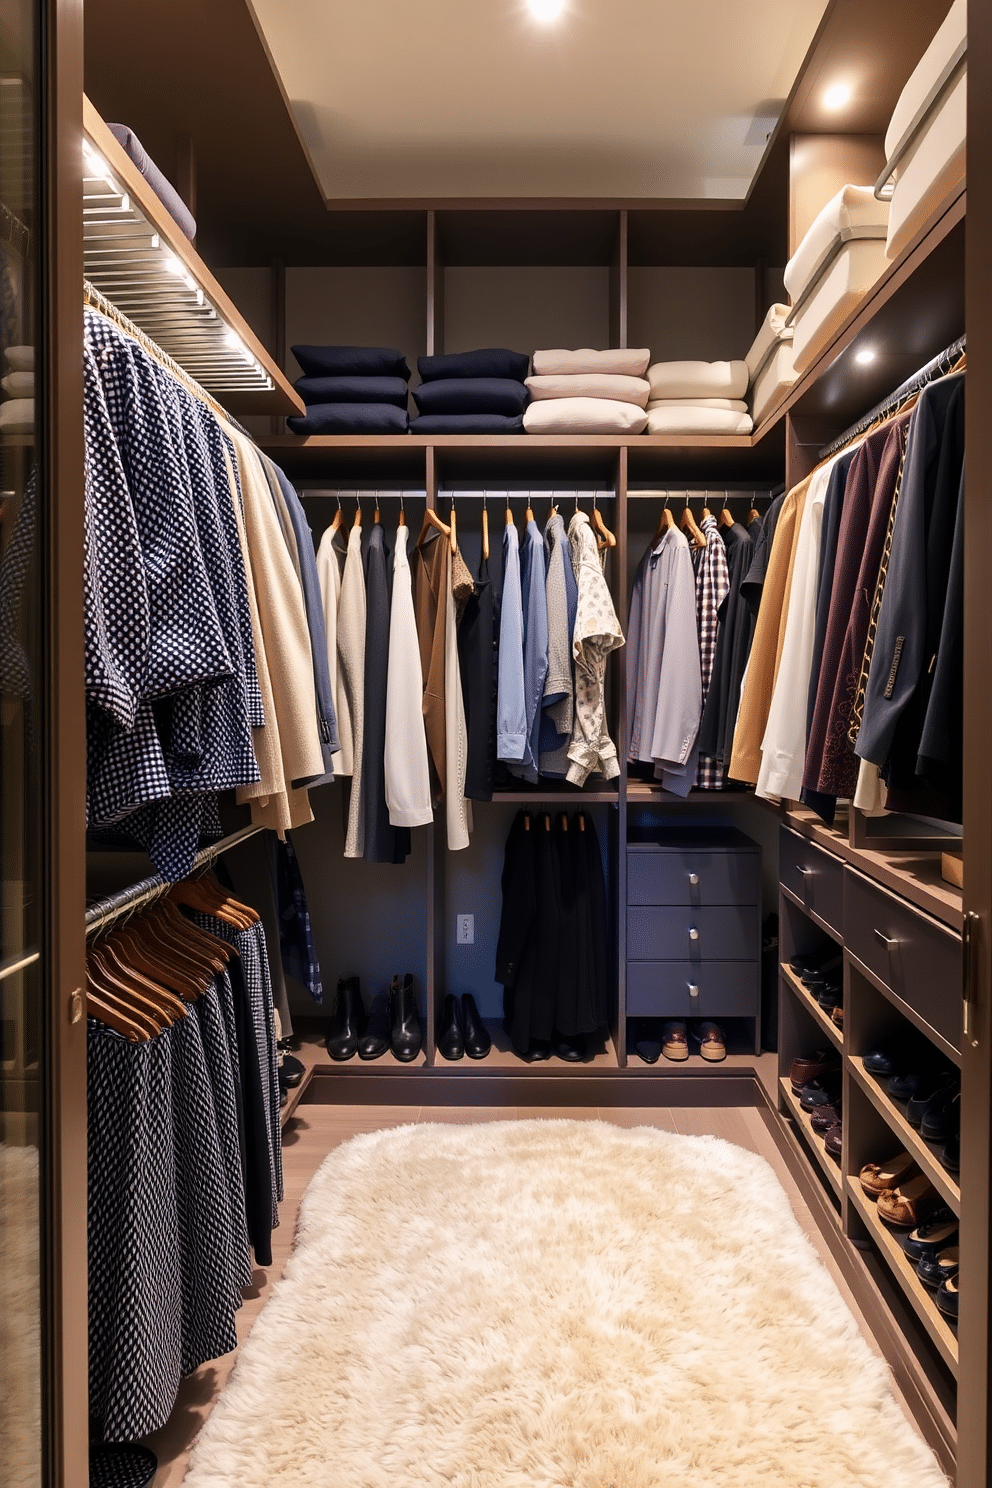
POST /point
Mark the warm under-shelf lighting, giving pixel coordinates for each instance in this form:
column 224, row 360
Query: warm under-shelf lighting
column 865, row 356
column 546, row 10
column 837, row 96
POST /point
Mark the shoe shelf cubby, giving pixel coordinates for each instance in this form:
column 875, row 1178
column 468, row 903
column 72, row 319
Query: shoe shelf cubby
column 829, row 1166
column 907, row 1136
column 939, row 1329
column 809, row 1002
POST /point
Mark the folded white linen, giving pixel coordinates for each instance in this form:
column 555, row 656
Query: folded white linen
column 848, row 280
column 773, row 330
column 932, row 171
column 950, row 33
column 729, row 405
column 778, row 374
column 852, row 207
column 620, row 362
column 591, row 385
column 693, row 380
column 687, row 419
column 17, row 416
column 18, row 384
column 20, row 358
column 583, row 416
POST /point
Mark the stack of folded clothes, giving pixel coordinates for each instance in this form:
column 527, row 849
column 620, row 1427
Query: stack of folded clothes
column 471, row 392
column 351, row 390
column 588, row 392
column 769, row 362
column 163, row 188
column 698, row 398
column 17, row 409
column 835, row 265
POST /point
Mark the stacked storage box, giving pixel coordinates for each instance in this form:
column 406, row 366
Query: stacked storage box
column 769, row 362
column 833, row 268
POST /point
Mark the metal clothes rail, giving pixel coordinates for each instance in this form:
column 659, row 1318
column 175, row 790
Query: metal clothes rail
column 938, row 367
column 139, row 895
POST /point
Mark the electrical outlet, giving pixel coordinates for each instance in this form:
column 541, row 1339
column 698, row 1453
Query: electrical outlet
column 465, row 929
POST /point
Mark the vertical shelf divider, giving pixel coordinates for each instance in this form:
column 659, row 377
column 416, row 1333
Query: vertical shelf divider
column 435, row 287
column 620, row 583
column 436, row 847
column 618, row 283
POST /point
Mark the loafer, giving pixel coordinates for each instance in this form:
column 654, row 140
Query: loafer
column 942, row 1117
column 824, row 1117
column 450, row 1039
column 477, row 1040
column 645, row 1046
column 292, row 1070
column 934, row 1235
column 878, row 1178
column 947, row 1298
column 824, row 1092
column 572, row 1049
column 910, row 1204
column 934, row 1270
column 675, row 1041
column 712, row 1043
column 919, row 1105
column 837, row 1015
column 877, row 1062
column 906, row 1084
column 951, row 1155
column 830, row 998
column 812, row 1067
column 378, row 1031
column 346, row 1024
column 833, row 1142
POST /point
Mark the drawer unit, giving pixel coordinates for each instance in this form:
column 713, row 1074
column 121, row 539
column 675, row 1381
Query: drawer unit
column 687, row 933
column 915, row 957
column 657, row 877
column 679, row 989
column 815, row 877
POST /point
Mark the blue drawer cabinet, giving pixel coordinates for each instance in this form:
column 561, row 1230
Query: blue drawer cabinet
column 693, row 931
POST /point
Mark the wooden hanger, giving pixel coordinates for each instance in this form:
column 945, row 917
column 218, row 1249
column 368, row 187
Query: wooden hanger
column 509, row 514
column 726, row 517
column 582, row 821
column 193, row 938
column 160, row 968
column 688, row 524
column 609, row 540
column 112, row 997
column 431, row 519
column 453, row 527
column 526, row 822
column 376, row 518
column 706, row 505
column 167, row 939
column 358, row 511
column 529, row 513
column 564, row 821
column 251, row 916
column 124, row 985
column 196, row 894
column 665, row 524
column 552, row 508
column 146, row 986
column 338, row 518
column 485, row 529
column 753, row 515
column 402, row 517
column 106, row 1010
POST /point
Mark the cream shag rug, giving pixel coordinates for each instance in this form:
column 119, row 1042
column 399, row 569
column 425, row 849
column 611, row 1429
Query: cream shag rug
column 554, row 1304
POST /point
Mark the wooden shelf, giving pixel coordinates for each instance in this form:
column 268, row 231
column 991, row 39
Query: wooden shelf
column 908, row 1136
column 295, row 1096
column 911, row 313
column 811, row 914
column 554, row 796
column 139, row 258
column 933, row 1320
column 795, row 986
column 829, row 1168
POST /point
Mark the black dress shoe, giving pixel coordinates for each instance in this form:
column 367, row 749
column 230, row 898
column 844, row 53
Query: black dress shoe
column 476, row 1036
column 346, row 1025
column 935, row 1269
column 947, row 1298
column 292, row 1071
column 939, row 1232
column 942, row 1117
column 822, row 1092
column 378, row 1033
column 640, row 1035
column 406, row 1037
column 919, row 1106
column 450, row 1039
column 538, row 1050
column 573, row 1049
column 951, row 1155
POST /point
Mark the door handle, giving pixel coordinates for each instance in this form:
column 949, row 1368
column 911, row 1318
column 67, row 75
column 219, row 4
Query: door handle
column 693, row 933
column 884, row 940
column 694, row 879
column 969, row 967
column 693, row 990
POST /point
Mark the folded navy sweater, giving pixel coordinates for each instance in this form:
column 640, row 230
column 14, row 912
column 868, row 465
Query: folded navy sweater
column 350, row 418
column 352, row 390
column 492, row 361
column 472, row 395
column 467, row 423
column 351, row 361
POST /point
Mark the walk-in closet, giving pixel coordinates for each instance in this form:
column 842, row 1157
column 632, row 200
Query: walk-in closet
column 495, row 807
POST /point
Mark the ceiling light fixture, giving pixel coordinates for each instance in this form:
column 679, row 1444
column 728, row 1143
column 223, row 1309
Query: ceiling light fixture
column 836, row 96
column 865, row 356
column 546, row 10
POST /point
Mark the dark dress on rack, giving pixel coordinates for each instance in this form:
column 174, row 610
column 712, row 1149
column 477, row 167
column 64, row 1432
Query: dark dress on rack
column 384, row 843
column 478, row 657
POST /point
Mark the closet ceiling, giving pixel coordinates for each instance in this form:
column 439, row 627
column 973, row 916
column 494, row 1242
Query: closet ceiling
column 450, row 100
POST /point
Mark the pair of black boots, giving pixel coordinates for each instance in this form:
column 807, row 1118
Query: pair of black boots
column 462, row 1030
column 393, row 1022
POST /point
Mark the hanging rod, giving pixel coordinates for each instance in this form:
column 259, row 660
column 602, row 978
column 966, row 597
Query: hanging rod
column 936, row 368
column 139, row 895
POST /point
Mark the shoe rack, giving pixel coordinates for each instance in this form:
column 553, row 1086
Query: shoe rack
column 899, row 936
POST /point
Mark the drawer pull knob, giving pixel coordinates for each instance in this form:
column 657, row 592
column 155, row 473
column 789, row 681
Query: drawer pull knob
column 694, row 879
column 806, row 872
column 885, row 940
column 693, row 991
column 693, row 933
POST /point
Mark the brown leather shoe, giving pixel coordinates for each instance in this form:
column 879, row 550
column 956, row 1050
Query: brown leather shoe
column 833, row 1142
column 812, row 1067
column 877, row 1178
column 675, row 1041
column 712, row 1044
column 910, row 1203
column 824, row 1117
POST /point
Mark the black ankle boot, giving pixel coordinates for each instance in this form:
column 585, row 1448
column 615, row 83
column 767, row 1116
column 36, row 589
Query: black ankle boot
column 406, row 1035
column 477, row 1040
column 375, row 1040
column 450, row 1039
column 342, row 1040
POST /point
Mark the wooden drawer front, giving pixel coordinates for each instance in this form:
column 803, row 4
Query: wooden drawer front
column 916, row 958
column 664, row 989
column 655, row 877
column 666, row 934
column 814, row 876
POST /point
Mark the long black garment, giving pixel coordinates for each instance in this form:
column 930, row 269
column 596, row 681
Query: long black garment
column 548, row 938
column 478, row 655
column 733, row 646
column 574, row 972
column 384, row 843
column 598, row 921
column 942, row 742
column 590, row 927
column 255, row 1152
column 515, row 946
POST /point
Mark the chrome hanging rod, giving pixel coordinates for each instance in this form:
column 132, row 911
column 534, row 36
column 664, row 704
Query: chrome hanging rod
column 139, row 895
column 938, row 367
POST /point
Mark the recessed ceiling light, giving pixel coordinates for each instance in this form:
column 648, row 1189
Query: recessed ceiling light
column 865, row 356
column 836, row 96
column 546, row 10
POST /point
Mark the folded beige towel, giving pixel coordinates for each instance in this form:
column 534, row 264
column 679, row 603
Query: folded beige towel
column 18, row 384
column 630, row 362
column 696, row 420
column 729, row 405
column 777, row 375
column 591, row 385
column 583, row 416
column 19, row 358
column 852, row 207
column 773, row 330
column 694, row 380
column 17, row 416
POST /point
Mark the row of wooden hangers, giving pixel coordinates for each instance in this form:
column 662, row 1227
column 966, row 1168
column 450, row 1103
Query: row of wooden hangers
column 145, row 973
column 449, row 529
column 902, row 405
column 687, row 521
column 545, row 818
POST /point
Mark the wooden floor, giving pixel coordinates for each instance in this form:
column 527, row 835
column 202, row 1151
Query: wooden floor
column 316, row 1129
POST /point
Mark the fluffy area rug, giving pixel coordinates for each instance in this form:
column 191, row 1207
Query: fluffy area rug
column 20, row 1318
column 554, row 1304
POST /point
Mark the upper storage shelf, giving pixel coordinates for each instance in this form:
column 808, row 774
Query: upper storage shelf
column 136, row 255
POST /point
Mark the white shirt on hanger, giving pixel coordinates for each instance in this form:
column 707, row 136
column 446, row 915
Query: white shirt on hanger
column 408, row 785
